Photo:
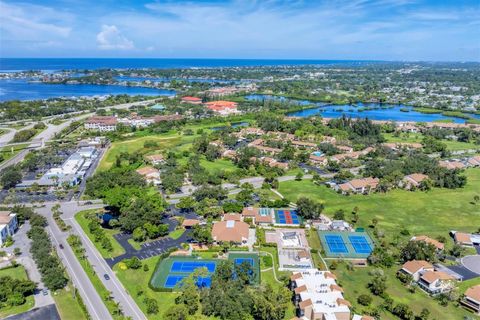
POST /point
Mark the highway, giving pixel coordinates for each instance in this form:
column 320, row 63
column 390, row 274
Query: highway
column 119, row 294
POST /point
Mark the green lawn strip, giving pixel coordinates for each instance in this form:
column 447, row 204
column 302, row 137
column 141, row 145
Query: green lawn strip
column 10, row 152
column 136, row 281
column 98, row 285
column 68, row 307
column 176, row 234
column 314, row 242
column 464, row 285
column 18, row 272
column 355, row 283
column 432, row 213
column 83, row 222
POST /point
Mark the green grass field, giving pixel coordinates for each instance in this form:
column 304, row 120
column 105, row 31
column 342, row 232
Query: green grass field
column 67, row 306
column 16, row 273
column 433, row 213
column 9, row 152
column 83, row 222
column 355, row 283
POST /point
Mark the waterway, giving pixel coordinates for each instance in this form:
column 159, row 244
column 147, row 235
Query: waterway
column 373, row 111
column 23, row 89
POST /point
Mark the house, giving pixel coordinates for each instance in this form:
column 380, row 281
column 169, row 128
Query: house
column 190, row 223
column 413, row 180
column 8, row 225
column 474, row 161
column 463, row 239
column 191, row 100
column 150, row 174
column 261, row 216
column 435, row 282
column 364, row 185
column 453, row 164
column 471, row 298
column 101, row 123
column 229, row 154
column 416, row 268
column 274, row 163
column 232, row 217
column 230, row 231
column 155, row 159
column 223, row 108
column 318, row 160
column 318, row 297
column 437, row 244
column 400, row 145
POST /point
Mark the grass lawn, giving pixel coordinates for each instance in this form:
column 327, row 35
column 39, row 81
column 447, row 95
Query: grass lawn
column 464, row 285
column 136, row 281
column 432, row 213
column 176, row 233
column 9, row 152
column 355, row 283
column 417, row 137
column 314, row 242
column 67, row 305
column 16, row 273
column 117, row 248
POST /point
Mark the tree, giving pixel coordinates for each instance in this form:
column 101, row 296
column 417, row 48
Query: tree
column 418, row 250
column 339, row 215
column 378, row 284
column 139, row 234
column 176, row 312
column 308, row 208
column 186, row 203
column 364, row 299
column 152, row 305
column 10, row 177
column 202, row 234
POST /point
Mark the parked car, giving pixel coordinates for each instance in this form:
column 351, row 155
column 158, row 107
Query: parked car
column 106, row 276
column 45, row 292
column 61, row 246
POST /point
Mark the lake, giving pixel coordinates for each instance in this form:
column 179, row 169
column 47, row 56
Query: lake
column 21, row 89
column 373, row 111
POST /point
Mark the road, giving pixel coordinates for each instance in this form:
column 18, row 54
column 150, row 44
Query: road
column 93, row 301
column 119, row 294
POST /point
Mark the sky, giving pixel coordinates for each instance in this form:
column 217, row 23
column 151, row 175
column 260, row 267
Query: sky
column 429, row 30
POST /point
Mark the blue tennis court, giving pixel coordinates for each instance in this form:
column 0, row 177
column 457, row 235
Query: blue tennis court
column 239, row 261
column 172, row 281
column 360, row 244
column 287, row 217
column 335, row 243
column 190, row 266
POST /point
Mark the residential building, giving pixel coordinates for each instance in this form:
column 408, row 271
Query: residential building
column 364, row 185
column 191, row 100
column 155, row 159
column 413, row 180
column 318, row 297
column 463, row 239
column 416, row 268
column 474, row 161
column 150, row 174
column 230, row 231
column 359, row 317
column 261, row 216
column 437, row 244
column 451, row 164
column 222, row 107
column 101, row 123
column 167, row 117
column 8, row 225
column 471, row 298
column 190, row 223
column 435, row 282
column 232, row 217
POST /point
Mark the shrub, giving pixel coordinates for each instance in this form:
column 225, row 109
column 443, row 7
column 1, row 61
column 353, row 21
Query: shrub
column 364, row 299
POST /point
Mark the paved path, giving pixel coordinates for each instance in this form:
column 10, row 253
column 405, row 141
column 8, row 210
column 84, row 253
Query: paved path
column 49, row 312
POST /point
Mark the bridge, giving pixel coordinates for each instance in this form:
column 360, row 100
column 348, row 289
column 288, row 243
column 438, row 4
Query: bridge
column 34, row 143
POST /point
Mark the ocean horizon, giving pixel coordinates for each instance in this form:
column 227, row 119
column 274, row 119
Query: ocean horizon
column 56, row 64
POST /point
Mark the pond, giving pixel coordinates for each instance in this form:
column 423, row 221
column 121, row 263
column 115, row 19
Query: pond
column 374, row 111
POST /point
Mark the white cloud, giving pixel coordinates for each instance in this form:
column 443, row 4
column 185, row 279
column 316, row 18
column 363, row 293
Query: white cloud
column 111, row 38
